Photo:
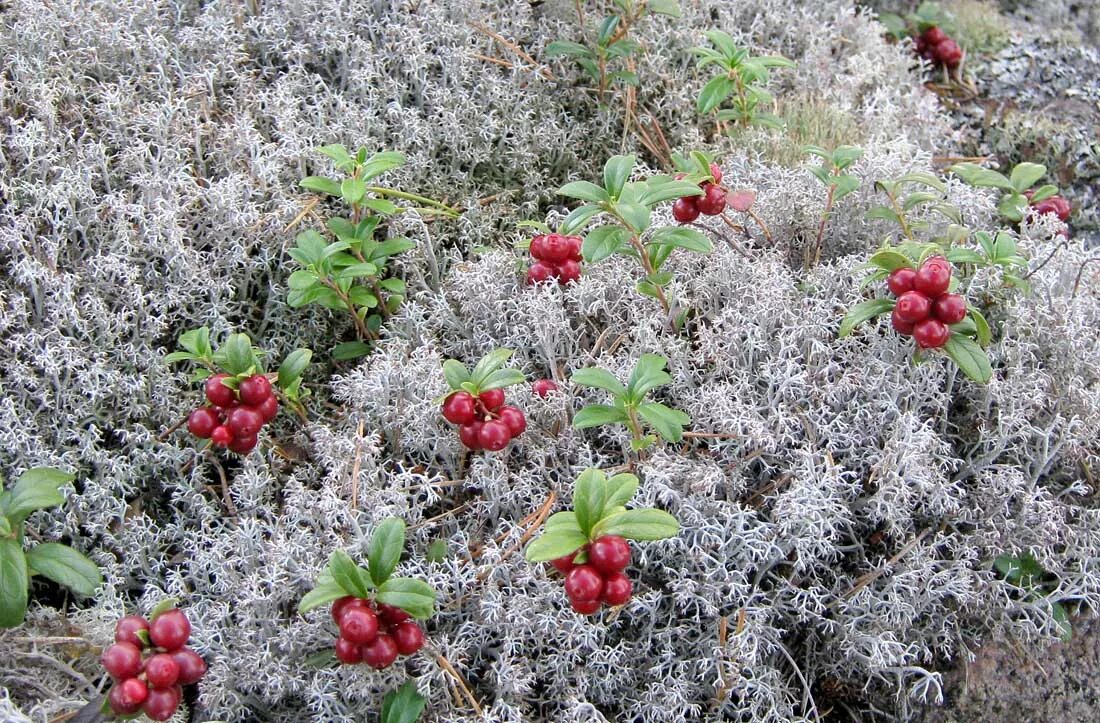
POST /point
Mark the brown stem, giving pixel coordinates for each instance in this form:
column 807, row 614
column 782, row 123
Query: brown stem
column 900, row 213
column 763, row 226
column 361, row 328
column 821, row 226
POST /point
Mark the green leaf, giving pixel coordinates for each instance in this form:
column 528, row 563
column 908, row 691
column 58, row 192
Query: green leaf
column 970, row 357
column 723, row 42
column 1044, row 192
column 36, row 489
column 1061, row 618
column 437, row 551
column 320, row 184
column 635, row 214
column 325, row 593
column 339, row 155
column 863, row 311
column 603, row 241
column 302, row 279
column 924, row 178
column 584, row 190
column 649, row 373
column 555, row 543
column 488, row 364
column 577, row 219
column 615, row 174
column 1024, row 175
column 347, row 575
column 352, row 190
column 502, row 378
column 685, row 238
column 607, row 29
column 415, row 597
column 975, row 175
column 641, row 525
column 386, row 545
column 178, row 356
column 884, row 213
column 665, row 7
column 293, row 367
column 65, row 566
column 14, row 582
column 380, row 206
column 768, row 120
column 595, row 415
column 562, row 520
column 589, row 495
column 895, row 24
column 659, row 191
column 981, row 327
column 717, row 90
column 620, row 489
column 598, row 378
column 572, row 50
column 456, row 373
column 350, row 350
column 237, row 354
column 196, row 341
column 1004, row 246
column 845, row 156
column 379, row 163
column 1012, row 206
column 843, row 185
column 889, row 260
column 403, row 705
column 668, row 422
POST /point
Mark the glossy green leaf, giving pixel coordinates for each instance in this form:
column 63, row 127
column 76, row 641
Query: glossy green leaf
column 981, row 327
column 598, row 378
column 352, row 190
column 347, row 575
column 415, row 597
column 379, row 163
column 386, row 545
column 659, row 192
column 603, row 241
column 456, row 373
column 863, row 311
column 350, row 350
column 1025, row 175
column 589, row 495
column 714, row 93
column 293, row 367
column 14, row 581
column 577, row 219
column 36, row 489
column 488, row 364
column 502, row 378
column 615, row 174
column 975, row 175
column 681, row 237
column 320, row 184
column 323, row 594
column 970, row 357
column 572, row 50
column 641, row 525
column 403, row 705
column 237, row 354
column 595, row 415
column 65, row 566
column 668, row 422
column 890, row 260
column 585, row 191
column 555, row 543
column 649, row 373
column 620, row 489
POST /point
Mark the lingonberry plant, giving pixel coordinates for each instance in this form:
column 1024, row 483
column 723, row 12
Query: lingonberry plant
column 831, row 172
column 589, row 544
column 239, row 397
column 930, row 41
column 350, row 274
column 927, row 309
column 741, row 81
column 607, row 59
column 556, row 257
column 476, row 402
column 710, row 199
column 1024, row 572
column 627, row 207
column 373, row 609
column 149, row 663
column 911, row 193
column 1020, row 198
column 36, row 489
column 629, row 405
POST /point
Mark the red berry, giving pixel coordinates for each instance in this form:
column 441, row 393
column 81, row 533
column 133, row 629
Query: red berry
column 931, row 333
column 609, row 554
column 1055, row 204
column 538, row 247
column 901, row 280
column 348, row 652
column 716, row 173
column 381, row 652
column 391, row 615
column 192, row 666
column 948, row 52
column 913, row 306
column 127, row 629
column 492, row 399
column 162, row 702
column 494, row 436
column 543, row 387
column 541, row 271
column 575, row 245
column 243, row 445
column 568, row 272
column 685, row 210
column 470, row 435
column 170, row 630
column 713, row 200
column 268, row 408
column 585, row 607
column 408, row 637
column 949, row 308
column 244, row 421
column 341, row 604
column 902, row 327
column 358, row 625
column 583, row 583
column 460, row 408
column 122, row 660
column 564, row 564
column 162, row 670
column 617, row 588
column 255, row 390
column 557, row 248
column 127, row 696
column 202, row 421
column 933, row 36
column 219, row 394
column 513, row 418
column 933, row 277
column 221, row 436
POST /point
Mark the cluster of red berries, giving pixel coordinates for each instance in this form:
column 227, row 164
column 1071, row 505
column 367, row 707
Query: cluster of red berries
column 556, row 257
column 485, row 422
column 1052, row 204
column 543, row 387
column 711, row 203
column 374, row 635
column 934, row 45
column 924, row 309
column 599, row 580
column 151, row 683
column 235, row 417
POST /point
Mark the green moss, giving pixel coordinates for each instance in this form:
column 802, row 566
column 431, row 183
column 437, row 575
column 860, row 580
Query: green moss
column 978, row 25
column 810, row 120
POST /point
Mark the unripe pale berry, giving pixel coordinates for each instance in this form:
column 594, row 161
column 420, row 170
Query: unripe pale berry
column 913, row 306
column 583, row 583
column 460, row 408
column 217, row 393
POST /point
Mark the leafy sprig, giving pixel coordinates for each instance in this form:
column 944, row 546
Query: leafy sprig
column 627, row 208
column 741, row 82
column 630, row 405
column 36, row 489
column 488, row 373
column 342, row 577
column 1013, row 204
column 832, row 174
column 599, row 508
column 1024, row 572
